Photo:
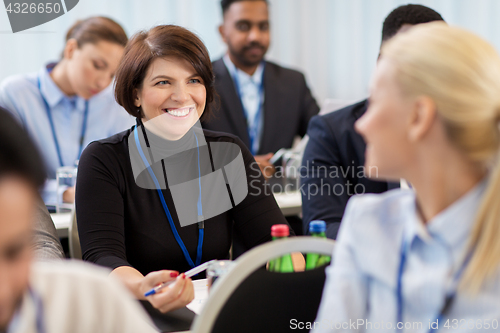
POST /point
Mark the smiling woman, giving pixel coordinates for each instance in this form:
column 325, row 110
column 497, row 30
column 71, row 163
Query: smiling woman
column 148, row 226
column 66, row 104
column 173, row 103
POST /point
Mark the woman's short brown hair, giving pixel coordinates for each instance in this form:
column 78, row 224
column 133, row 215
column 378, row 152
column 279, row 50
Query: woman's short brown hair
column 161, row 41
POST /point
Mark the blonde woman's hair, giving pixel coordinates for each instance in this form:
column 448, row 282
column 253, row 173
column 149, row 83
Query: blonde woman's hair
column 461, row 73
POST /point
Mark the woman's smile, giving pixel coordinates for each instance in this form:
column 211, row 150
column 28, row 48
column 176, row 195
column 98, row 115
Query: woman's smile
column 180, row 112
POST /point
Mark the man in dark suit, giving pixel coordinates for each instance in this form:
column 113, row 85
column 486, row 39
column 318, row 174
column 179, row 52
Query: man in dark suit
column 262, row 103
column 333, row 164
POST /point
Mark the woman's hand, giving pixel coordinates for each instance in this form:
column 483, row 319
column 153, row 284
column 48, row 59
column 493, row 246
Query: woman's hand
column 172, row 297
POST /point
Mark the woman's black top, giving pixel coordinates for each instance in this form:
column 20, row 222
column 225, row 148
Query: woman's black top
column 123, row 224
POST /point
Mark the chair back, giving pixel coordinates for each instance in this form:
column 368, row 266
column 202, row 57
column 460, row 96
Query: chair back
column 251, row 299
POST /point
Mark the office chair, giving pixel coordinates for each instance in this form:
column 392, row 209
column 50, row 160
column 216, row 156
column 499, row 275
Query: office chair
column 251, row 299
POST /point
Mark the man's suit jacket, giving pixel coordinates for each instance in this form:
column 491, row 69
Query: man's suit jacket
column 288, row 107
column 331, row 167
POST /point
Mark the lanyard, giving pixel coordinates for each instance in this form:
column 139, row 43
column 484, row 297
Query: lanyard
column 253, row 131
column 40, row 327
column 450, row 297
column 52, row 127
column 39, row 314
column 164, row 204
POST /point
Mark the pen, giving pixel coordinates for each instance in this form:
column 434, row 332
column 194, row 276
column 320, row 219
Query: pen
column 190, row 273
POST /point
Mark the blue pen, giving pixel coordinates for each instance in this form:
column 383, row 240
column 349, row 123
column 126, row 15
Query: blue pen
column 190, row 273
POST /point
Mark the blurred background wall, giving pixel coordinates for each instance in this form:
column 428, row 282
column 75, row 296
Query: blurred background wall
column 334, row 42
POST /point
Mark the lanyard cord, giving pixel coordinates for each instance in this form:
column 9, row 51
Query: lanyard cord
column 450, row 297
column 252, row 130
column 52, row 127
column 164, row 204
column 39, row 320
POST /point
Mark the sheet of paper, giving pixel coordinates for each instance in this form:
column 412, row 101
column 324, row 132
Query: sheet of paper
column 200, row 295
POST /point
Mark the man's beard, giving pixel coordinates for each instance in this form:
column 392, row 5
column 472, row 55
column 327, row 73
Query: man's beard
column 242, row 54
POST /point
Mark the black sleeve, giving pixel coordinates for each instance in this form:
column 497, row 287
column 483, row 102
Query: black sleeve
column 258, row 212
column 324, row 189
column 309, row 107
column 100, row 208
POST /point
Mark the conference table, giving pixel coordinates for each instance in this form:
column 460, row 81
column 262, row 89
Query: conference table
column 290, row 204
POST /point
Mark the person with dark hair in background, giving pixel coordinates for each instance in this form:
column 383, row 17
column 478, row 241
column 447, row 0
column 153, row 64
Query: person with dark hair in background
column 333, row 162
column 68, row 104
column 264, row 104
column 129, row 222
column 55, row 297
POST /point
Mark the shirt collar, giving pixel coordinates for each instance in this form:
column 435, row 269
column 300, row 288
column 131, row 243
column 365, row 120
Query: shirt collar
column 454, row 224
column 256, row 78
column 451, row 226
column 52, row 93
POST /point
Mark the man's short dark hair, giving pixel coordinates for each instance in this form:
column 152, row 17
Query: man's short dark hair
column 226, row 3
column 407, row 14
column 18, row 154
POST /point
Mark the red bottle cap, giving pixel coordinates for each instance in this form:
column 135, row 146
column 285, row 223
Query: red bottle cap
column 280, row 230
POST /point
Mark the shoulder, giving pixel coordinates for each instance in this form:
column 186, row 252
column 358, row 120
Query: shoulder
column 58, row 278
column 21, row 83
column 106, row 149
column 67, row 271
column 371, row 233
column 348, row 114
column 219, row 67
column 337, row 122
column 377, row 216
column 67, row 287
column 218, row 62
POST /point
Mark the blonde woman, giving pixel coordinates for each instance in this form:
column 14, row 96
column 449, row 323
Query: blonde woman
column 425, row 260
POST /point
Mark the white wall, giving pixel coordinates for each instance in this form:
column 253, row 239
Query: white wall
column 334, row 42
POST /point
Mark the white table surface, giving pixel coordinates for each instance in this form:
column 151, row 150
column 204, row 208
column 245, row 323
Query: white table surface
column 61, row 221
column 289, row 202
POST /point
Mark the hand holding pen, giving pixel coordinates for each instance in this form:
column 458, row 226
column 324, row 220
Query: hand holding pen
column 190, row 273
column 177, row 295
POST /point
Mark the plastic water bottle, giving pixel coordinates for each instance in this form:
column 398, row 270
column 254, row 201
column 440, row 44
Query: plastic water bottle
column 313, row 260
column 282, row 264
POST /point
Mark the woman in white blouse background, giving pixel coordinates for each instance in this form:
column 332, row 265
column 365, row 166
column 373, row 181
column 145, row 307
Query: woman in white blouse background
column 69, row 103
column 429, row 259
